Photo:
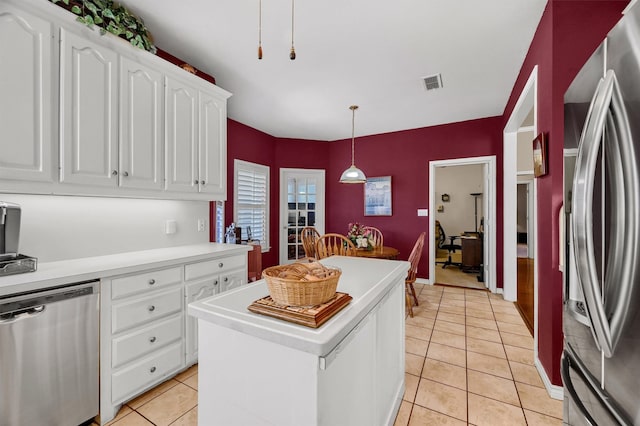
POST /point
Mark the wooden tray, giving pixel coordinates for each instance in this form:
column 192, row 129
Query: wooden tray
column 310, row 316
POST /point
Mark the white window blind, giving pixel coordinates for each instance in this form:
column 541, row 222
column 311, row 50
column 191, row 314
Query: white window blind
column 251, row 201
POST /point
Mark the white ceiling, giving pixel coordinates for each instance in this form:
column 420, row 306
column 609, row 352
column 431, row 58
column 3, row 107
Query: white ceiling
column 372, row 53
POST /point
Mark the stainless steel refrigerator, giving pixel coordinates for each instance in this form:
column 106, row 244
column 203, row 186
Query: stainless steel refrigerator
column 601, row 323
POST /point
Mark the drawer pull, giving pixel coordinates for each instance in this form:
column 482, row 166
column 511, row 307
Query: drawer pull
column 226, row 279
column 152, row 281
column 220, row 265
column 152, row 339
column 152, row 370
column 152, row 308
column 215, row 282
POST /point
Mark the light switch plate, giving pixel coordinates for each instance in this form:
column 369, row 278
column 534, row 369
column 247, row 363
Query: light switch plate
column 423, row 212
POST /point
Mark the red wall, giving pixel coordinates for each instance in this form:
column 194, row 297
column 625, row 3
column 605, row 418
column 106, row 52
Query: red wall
column 405, row 156
column 568, row 33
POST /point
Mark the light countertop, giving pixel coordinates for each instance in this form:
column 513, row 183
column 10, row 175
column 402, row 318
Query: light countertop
column 366, row 280
column 51, row 274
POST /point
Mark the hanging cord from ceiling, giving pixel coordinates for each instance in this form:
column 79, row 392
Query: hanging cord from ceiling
column 260, row 31
column 292, row 54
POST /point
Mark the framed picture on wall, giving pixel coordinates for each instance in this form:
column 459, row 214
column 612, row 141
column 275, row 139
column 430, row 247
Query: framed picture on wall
column 539, row 156
column 377, row 196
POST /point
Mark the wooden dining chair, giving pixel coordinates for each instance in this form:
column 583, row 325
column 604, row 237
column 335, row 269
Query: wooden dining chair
column 376, row 237
column 309, row 235
column 414, row 259
column 334, row 244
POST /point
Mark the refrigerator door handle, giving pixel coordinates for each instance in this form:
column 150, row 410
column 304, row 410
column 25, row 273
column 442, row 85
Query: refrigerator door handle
column 571, row 362
column 571, row 391
column 620, row 160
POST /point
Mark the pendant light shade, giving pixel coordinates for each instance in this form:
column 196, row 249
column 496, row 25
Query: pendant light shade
column 353, row 174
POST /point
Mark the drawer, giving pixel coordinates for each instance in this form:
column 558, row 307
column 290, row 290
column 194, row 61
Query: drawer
column 140, row 310
column 152, row 369
column 131, row 346
column 212, row 267
column 150, row 280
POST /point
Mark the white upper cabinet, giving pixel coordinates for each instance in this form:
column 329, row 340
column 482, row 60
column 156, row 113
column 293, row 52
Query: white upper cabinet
column 181, row 121
column 196, row 135
column 213, row 145
column 88, row 116
column 26, row 105
column 140, row 148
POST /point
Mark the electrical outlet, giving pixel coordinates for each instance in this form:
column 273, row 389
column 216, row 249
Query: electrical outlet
column 202, row 224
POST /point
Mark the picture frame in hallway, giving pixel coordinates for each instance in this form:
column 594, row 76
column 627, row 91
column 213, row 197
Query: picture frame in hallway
column 377, row 196
column 539, row 156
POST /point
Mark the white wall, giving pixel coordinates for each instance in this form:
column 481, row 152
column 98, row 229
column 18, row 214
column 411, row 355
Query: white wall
column 525, row 151
column 459, row 182
column 62, row 227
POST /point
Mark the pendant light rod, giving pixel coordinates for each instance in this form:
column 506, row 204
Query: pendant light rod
column 353, row 109
column 292, row 54
column 260, row 30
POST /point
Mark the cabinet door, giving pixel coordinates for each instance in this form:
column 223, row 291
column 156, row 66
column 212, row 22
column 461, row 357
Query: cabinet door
column 140, row 149
column 88, row 115
column 213, row 145
column 234, row 279
column 181, row 135
column 26, row 100
column 389, row 375
column 196, row 291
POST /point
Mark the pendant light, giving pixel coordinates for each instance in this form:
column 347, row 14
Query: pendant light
column 353, row 174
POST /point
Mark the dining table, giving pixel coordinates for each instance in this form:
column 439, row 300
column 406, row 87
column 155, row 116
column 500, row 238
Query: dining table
column 384, row 252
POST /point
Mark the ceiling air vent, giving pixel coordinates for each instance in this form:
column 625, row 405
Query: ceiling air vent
column 432, row 82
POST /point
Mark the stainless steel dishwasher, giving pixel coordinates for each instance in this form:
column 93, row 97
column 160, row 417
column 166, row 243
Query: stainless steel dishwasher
column 49, row 356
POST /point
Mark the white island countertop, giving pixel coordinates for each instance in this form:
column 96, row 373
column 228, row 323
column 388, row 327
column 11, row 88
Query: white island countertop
column 51, row 274
column 366, row 280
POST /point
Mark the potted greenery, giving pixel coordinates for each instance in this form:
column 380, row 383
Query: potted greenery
column 110, row 17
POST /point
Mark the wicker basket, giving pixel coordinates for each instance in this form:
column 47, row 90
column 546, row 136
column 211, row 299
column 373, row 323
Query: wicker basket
column 301, row 284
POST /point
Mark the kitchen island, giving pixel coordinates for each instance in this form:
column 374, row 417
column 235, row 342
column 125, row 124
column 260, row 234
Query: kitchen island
column 258, row 370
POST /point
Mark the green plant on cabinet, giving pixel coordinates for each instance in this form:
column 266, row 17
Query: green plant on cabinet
column 111, row 17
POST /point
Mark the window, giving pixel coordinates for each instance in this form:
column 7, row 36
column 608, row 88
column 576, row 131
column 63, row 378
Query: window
column 219, row 221
column 251, row 201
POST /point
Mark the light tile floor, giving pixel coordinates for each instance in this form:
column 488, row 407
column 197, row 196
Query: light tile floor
column 469, row 361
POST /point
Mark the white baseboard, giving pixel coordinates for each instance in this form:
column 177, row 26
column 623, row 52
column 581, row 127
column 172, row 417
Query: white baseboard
column 423, row 281
column 555, row 392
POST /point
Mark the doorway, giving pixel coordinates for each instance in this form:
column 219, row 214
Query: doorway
column 459, row 220
column 525, row 252
column 486, row 217
column 518, row 135
column 302, row 203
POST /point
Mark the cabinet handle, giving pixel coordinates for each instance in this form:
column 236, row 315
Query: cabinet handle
column 195, row 182
column 226, row 279
column 215, row 282
column 220, row 265
column 152, row 370
column 202, row 182
column 114, row 172
column 152, row 308
column 152, row 281
column 125, row 174
column 152, row 339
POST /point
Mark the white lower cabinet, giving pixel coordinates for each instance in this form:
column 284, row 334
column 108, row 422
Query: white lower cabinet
column 204, row 279
column 146, row 336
